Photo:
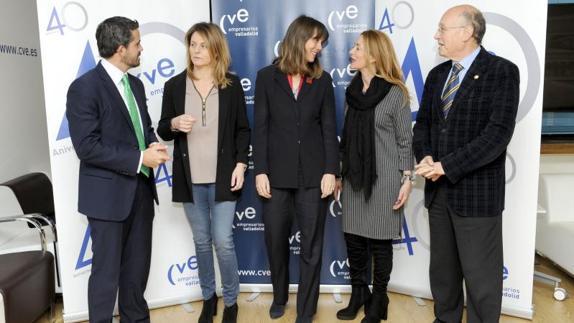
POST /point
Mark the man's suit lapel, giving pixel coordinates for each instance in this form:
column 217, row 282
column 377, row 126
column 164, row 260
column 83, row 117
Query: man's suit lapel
column 476, row 70
column 115, row 95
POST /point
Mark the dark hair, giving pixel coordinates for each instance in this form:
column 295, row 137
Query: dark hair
column 291, row 58
column 113, row 33
column 476, row 19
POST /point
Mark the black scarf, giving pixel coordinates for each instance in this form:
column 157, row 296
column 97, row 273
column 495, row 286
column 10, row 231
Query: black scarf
column 358, row 141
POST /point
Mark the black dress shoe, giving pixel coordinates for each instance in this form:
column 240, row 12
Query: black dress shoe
column 230, row 314
column 276, row 310
column 209, row 310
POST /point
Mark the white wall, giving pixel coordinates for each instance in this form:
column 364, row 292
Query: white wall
column 22, row 113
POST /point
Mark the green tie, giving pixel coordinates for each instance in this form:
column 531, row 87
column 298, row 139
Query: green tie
column 132, row 107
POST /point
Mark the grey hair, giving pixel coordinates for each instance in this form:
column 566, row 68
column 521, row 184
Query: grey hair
column 474, row 17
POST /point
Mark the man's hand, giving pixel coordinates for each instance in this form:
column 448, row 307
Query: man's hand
column 183, row 123
column 155, row 155
column 327, row 185
column 429, row 169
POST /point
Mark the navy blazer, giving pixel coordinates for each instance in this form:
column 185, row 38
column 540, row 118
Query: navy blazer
column 105, row 142
column 292, row 135
column 471, row 143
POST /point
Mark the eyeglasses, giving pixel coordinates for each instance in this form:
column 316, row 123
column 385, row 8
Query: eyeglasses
column 442, row 29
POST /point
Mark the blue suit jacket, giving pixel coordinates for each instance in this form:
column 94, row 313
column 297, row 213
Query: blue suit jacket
column 105, row 142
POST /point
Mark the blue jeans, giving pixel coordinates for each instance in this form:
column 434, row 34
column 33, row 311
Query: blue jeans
column 211, row 224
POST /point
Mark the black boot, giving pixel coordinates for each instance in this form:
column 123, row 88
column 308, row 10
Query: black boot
column 377, row 310
column 209, row 310
column 360, row 296
column 384, row 310
column 358, row 255
column 230, row 314
column 383, row 264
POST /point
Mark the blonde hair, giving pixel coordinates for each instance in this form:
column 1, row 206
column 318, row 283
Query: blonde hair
column 218, row 51
column 379, row 47
column 291, row 58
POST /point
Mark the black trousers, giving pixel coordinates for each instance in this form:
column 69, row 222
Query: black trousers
column 468, row 248
column 121, row 261
column 362, row 249
column 278, row 214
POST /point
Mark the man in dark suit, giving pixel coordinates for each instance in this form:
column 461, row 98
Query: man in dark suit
column 110, row 129
column 465, row 122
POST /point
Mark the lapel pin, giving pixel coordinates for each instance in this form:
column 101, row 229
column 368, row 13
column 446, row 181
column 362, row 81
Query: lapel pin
column 476, row 76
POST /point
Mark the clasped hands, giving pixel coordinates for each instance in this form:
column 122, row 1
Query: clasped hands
column 155, row 155
column 429, row 169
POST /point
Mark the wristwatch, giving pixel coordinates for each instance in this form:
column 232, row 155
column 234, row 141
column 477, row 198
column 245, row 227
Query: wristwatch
column 410, row 177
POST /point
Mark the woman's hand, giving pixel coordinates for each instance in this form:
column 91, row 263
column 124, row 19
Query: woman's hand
column 237, row 177
column 404, row 193
column 262, row 185
column 183, row 123
column 327, row 185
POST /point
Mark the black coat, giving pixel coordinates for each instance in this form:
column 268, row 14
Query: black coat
column 232, row 139
column 294, row 134
column 471, row 143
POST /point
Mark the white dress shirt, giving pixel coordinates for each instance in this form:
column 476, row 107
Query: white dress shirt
column 117, row 75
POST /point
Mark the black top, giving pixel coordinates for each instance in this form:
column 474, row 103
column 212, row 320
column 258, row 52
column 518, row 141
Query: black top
column 294, row 135
column 232, row 139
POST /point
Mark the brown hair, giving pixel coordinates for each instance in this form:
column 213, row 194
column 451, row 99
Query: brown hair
column 379, row 47
column 218, row 51
column 291, row 58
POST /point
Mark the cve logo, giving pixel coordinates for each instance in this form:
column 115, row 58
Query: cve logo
column 295, row 238
column 249, row 213
column 338, row 266
column 242, row 15
column 179, row 269
column 246, row 84
column 276, row 48
column 342, row 72
column 335, row 208
column 164, row 67
column 351, row 12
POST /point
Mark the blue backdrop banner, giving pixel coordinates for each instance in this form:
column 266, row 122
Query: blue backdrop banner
column 254, row 29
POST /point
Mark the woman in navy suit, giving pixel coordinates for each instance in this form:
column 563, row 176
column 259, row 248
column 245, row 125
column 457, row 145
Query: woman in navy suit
column 296, row 159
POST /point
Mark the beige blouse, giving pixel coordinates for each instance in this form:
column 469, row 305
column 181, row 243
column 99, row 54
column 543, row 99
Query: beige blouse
column 202, row 139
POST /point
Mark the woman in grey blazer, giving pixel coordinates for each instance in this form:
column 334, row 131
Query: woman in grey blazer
column 377, row 170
